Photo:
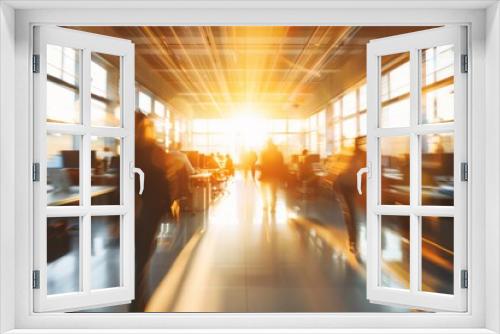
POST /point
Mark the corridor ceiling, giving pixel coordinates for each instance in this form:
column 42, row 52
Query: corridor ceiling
column 276, row 71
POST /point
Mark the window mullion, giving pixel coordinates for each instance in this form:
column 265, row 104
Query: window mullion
column 85, row 173
column 414, row 173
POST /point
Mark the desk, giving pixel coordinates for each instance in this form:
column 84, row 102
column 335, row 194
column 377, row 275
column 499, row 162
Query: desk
column 73, row 196
column 201, row 190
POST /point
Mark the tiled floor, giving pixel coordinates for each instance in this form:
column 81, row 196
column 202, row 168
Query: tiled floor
column 251, row 260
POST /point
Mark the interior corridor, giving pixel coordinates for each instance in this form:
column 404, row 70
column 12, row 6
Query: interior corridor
column 247, row 259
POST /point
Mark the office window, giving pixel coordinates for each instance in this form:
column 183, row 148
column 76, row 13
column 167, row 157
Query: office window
column 63, row 92
column 145, row 102
column 349, row 117
column 159, row 109
column 99, row 77
column 349, row 104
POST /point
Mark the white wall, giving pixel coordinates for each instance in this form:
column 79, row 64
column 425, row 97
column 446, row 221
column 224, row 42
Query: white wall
column 7, row 183
column 492, row 205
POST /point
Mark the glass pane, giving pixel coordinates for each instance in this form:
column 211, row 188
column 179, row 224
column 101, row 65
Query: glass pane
column 278, row 125
column 200, row 125
column 437, row 169
column 437, row 254
column 63, row 84
column 395, row 170
column 337, row 109
column 349, row 103
column 105, row 162
column 63, row 169
column 105, row 108
column 395, row 252
column 362, row 124
column 105, row 250
column 362, row 97
column 144, row 102
column 395, row 90
column 349, row 128
column 295, row 125
column 63, row 255
column 159, row 109
column 437, row 66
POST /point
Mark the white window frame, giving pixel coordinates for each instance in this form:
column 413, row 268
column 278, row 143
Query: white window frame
column 86, row 44
column 16, row 211
column 413, row 43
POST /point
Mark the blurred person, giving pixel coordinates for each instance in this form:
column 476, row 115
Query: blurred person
column 345, row 191
column 211, row 162
column 244, row 165
column 152, row 205
column 272, row 172
column 306, row 175
column 252, row 162
column 179, row 168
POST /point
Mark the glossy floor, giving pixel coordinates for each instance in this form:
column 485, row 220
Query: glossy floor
column 240, row 257
column 247, row 259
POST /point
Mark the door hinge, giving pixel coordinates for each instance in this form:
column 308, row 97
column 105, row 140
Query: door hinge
column 464, row 171
column 465, row 64
column 36, row 279
column 464, row 281
column 36, row 63
column 36, row 172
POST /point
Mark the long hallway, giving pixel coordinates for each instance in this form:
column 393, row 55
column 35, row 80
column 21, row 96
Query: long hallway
column 247, row 259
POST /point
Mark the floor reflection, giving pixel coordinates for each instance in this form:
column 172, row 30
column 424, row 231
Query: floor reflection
column 251, row 260
column 239, row 257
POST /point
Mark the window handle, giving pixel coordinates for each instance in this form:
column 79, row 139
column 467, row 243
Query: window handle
column 135, row 170
column 359, row 174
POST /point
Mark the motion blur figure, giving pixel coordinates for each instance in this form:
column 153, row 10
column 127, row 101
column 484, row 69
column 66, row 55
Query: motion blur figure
column 152, row 205
column 249, row 162
column 345, row 190
column 272, row 173
column 179, row 169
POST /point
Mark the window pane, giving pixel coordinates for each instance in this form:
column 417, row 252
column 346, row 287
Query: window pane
column 337, row 109
column 279, row 125
column 105, row 75
column 349, row 104
column 395, row 170
column 63, row 85
column 437, row 68
column 362, row 124
column 63, row 63
column 362, row 97
column 313, row 123
column 159, row 109
column 200, row 125
column 322, row 122
column 349, row 128
column 438, row 105
column 63, row 169
column 394, row 90
column 105, row 162
column 200, row 140
column 105, row 250
column 395, row 252
column 437, row 254
column 295, row 125
column 144, row 103
column 437, row 169
column 63, row 255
